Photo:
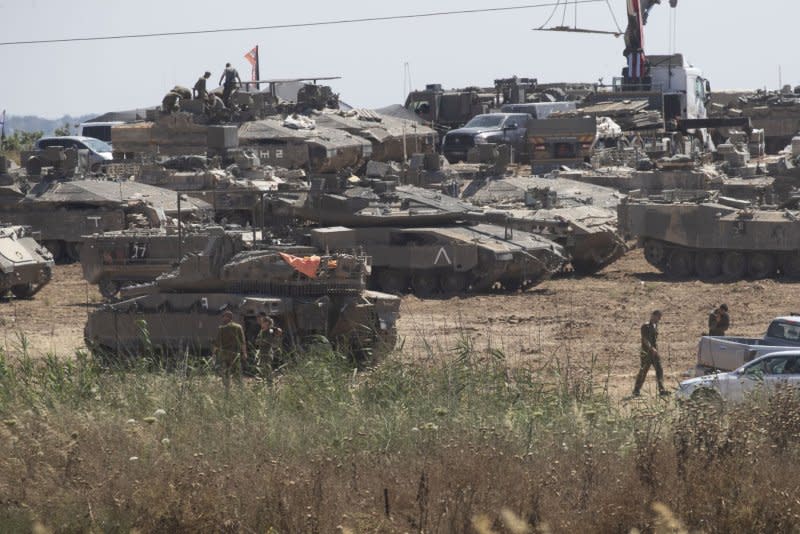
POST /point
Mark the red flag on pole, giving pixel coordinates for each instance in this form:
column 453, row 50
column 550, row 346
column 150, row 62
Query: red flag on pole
column 252, row 58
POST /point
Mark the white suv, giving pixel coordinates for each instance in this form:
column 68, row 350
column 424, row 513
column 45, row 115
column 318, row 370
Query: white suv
column 99, row 152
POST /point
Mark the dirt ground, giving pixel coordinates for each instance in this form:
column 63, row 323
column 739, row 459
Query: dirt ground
column 565, row 322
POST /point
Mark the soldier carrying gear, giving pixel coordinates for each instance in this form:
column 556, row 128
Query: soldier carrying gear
column 200, row 92
column 648, row 355
column 719, row 321
column 231, row 348
column 230, row 77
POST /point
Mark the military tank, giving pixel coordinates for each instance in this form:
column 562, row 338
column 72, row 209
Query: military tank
column 306, row 295
column 714, row 237
column 423, row 242
column 234, row 193
column 113, row 260
column 25, row 265
column 65, row 211
column 580, row 217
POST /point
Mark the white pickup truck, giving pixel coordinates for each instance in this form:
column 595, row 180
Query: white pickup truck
column 723, row 353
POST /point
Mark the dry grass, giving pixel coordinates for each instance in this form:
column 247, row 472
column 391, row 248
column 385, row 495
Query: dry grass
column 467, row 445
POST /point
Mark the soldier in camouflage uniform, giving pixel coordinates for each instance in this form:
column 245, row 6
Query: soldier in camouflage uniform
column 231, row 349
column 268, row 343
column 648, row 355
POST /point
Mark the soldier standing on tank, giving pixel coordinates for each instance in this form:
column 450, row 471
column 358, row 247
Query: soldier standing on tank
column 648, row 355
column 230, row 77
column 199, row 89
column 719, row 321
column 231, row 349
column 268, row 343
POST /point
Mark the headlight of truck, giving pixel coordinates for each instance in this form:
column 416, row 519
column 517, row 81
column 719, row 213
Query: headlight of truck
column 480, row 140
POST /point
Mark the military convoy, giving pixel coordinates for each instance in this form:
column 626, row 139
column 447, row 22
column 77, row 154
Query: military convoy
column 306, row 295
column 25, row 265
column 714, row 237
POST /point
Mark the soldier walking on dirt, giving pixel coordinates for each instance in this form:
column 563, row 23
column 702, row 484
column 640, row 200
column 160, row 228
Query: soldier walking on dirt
column 267, row 343
column 231, row 348
column 648, row 355
column 230, row 77
column 719, row 321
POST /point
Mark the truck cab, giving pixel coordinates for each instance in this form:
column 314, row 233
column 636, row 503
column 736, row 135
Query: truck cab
column 674, row 87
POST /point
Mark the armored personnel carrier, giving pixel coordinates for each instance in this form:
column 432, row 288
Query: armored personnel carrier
column 25, row 265
column 65, row 211
column 307, row 296
column 425, row 242
column 714, row 237
column 113, row 260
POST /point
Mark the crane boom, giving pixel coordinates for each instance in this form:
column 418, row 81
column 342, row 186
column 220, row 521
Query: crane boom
column 638, row 12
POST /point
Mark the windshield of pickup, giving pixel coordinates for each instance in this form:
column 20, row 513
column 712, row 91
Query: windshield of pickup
column 784, row 330
column 485, row 121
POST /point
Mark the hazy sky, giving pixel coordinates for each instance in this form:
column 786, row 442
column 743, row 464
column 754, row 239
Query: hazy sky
column 737, row 43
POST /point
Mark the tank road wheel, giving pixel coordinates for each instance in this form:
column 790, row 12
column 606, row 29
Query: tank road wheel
column 680, row 264
column 108, row 287
column 791, row 266
column 424, row 283
column 654, row 253
column 392, row 281
column 453, row 283
column 73, row 251
column 708, row 264
column 56, row 248
column 760, row 265
column 734, row 265
column 23, row 291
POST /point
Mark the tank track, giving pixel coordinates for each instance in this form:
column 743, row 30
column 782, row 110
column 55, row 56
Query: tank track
column 709, row 264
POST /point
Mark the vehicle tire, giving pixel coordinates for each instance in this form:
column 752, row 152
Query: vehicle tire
column 654, row 253
column 708, row 265
column 424, row 283
column 761, row 265
column 392, row 281
column 23, row 291
column 108, row 287
column 512, row 285
column 791, row 266
column 708, row 400
column 73, row 251
column 734, row 265
column 56, row 248
column 680, row 264
column 453, row 283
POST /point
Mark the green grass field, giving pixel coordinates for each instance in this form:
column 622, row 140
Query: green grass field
column 465, row 444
